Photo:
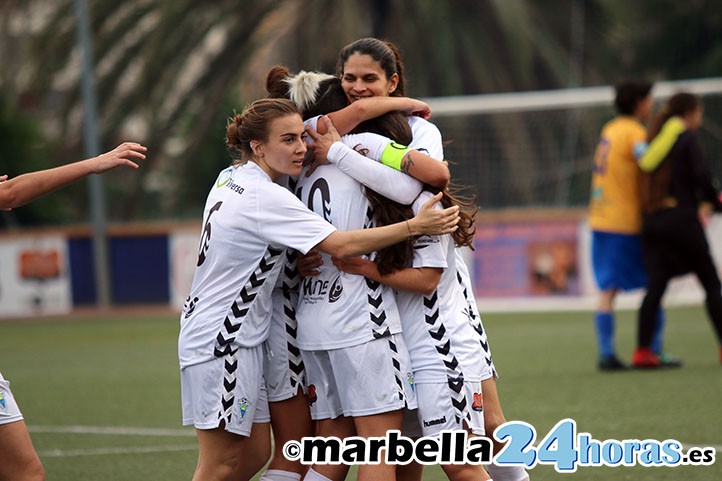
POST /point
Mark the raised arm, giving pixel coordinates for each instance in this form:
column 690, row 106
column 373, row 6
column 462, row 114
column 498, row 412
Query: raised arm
column 391, row 183
column 417, row 164
column 25, row 188
column 349, row 117
column 661, row 145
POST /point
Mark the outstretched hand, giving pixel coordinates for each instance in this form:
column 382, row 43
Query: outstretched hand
column 122, row 155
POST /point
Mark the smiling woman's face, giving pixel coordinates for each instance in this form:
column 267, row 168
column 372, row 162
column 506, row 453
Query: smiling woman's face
column 364, row 77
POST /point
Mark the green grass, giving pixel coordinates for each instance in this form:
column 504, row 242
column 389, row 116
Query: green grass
column 122, row 372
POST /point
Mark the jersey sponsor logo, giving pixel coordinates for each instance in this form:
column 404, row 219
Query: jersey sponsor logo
column 434, row 422
column 243, row 407
column 235, row 187
column 315, row 290
column 478, row 404
column 336, row 289
column 425, row 241
column 311, row 395
column 3, row 402
column 224, row 178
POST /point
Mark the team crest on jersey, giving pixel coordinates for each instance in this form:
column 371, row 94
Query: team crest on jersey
column 478, row 404
column 410, row 380
column 311, row 395
column 3, row 402
column 336, row 289
column 243, row 406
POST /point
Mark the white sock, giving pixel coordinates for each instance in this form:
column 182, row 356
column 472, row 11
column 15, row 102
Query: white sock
column 312, row 475
column 507, row 473
column 278, row 475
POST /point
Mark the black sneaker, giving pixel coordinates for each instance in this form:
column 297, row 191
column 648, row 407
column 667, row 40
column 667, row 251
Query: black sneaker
column 611, row 363
column 669, row 361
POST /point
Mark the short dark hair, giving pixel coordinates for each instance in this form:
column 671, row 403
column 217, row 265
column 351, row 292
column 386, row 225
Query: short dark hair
column 629, row 94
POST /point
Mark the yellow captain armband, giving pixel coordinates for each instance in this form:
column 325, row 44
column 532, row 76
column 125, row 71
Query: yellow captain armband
column 393, row 154
column 662, row 144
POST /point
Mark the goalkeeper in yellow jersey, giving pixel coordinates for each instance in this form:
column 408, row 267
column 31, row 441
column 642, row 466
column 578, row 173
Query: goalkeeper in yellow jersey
column 615, row 216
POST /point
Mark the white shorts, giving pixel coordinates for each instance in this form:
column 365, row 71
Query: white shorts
column 228, row 390
column 445, row 407
column 9, row 410
column 283, row 366
column 370, row 378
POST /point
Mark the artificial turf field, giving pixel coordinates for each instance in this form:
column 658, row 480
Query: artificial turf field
column 102, row 399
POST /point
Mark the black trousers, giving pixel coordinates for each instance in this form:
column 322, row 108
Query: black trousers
column 674, row 243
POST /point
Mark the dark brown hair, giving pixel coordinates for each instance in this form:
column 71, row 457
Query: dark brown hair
column 384, row 52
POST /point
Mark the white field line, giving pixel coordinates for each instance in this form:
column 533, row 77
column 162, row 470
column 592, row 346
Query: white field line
column 66, row 453
column 113, row 430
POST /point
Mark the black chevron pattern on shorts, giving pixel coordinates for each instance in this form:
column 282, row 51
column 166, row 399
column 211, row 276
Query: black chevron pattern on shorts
column 397, row 367
column 239, row 308
column 475, row 321
column 377, row 314
column 439, row 335
column 289, row 282
column 230, row 378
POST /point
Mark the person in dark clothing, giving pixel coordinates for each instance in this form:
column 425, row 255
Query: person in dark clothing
column 673, row 237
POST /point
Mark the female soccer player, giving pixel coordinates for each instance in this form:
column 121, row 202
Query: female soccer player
column 673, row 237
column 316, row 93
column 448, row 365
column 19, row 460
column 248, row 222
column 371, row 67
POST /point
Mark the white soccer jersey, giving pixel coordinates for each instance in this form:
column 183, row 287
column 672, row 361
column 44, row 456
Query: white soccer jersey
column 248, row 222
column 441, row 341
column 426, row 138
column 336, row 309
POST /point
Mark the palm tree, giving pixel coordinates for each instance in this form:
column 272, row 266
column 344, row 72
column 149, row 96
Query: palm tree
column 170, row 73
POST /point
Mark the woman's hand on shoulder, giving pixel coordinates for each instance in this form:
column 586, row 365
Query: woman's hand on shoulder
column 321, row 143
